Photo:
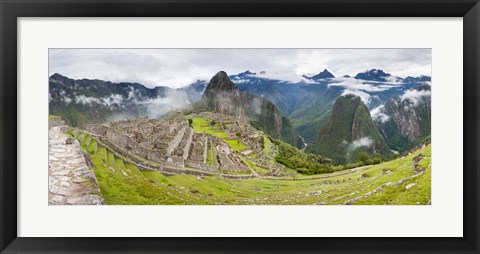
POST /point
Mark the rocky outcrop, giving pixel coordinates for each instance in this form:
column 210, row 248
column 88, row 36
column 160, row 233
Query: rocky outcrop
column 222, row 96
column 405, row 120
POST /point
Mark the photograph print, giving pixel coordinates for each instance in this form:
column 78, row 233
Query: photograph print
column 239, row 126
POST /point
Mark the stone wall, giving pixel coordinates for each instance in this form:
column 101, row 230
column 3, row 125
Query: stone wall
column 176, row 161
column 173, row 170
column 188, row 137
column 97, row 129
column 234, row 167
column 175, row 141
column 201, row 166
column 236, row 177
column 128, row 146
column 117, row 138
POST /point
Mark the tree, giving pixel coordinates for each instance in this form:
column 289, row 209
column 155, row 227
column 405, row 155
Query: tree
column 364, row 157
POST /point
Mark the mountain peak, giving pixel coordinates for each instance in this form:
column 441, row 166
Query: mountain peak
column 421, row 78
column 220, row 75
column 58, row 76
column 248, row 72
column 351, row 96
column 373, row 75
column 220, row 82
column 222, row 96
column 325, row 74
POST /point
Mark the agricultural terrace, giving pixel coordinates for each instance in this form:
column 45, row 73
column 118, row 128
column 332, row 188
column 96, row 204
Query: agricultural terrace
column 404, row 180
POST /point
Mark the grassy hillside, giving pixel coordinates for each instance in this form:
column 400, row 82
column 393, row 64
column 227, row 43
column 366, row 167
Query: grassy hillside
column 393, row 182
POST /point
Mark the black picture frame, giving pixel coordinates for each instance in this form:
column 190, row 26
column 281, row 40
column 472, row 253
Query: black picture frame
column 10, row 10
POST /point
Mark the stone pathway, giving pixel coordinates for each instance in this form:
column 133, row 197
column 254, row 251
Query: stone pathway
column 70, row 181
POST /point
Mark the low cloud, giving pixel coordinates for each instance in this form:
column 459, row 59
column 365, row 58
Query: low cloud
column 366, row 98
column 367, row 86
column 160, row 106
column 362, row 142
column 415, row 96
column 85, row 100
column 378, row 115
column 109, row 101
column 154, row 107
column 113, row 99
column 65, row 98
column 256, row 106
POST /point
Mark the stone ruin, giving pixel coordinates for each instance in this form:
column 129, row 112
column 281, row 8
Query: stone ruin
column 166, row 144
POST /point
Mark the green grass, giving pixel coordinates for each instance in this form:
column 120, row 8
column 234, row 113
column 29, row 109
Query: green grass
column 233, row 172
column 259, row 170
column 87, row 140
column 110, row 158
column 122, row 183
column 236, row 144
column 211, row 156
column 81, row 137
column 92, row 147
column 201, row 125
column 102, row 154
column 267, row 148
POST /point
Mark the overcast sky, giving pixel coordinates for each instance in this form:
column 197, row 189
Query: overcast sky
column 180, row 67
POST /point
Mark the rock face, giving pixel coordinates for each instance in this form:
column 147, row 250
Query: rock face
column 223, row 96
column 349, row 132
column 405, row 120
column 70, row 181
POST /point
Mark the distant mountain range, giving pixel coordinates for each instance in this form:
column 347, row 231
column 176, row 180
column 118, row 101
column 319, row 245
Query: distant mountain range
column 308, row 103
column 296, row 112
column 84, row 101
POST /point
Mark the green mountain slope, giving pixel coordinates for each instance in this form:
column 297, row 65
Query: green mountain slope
column 350, row 133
